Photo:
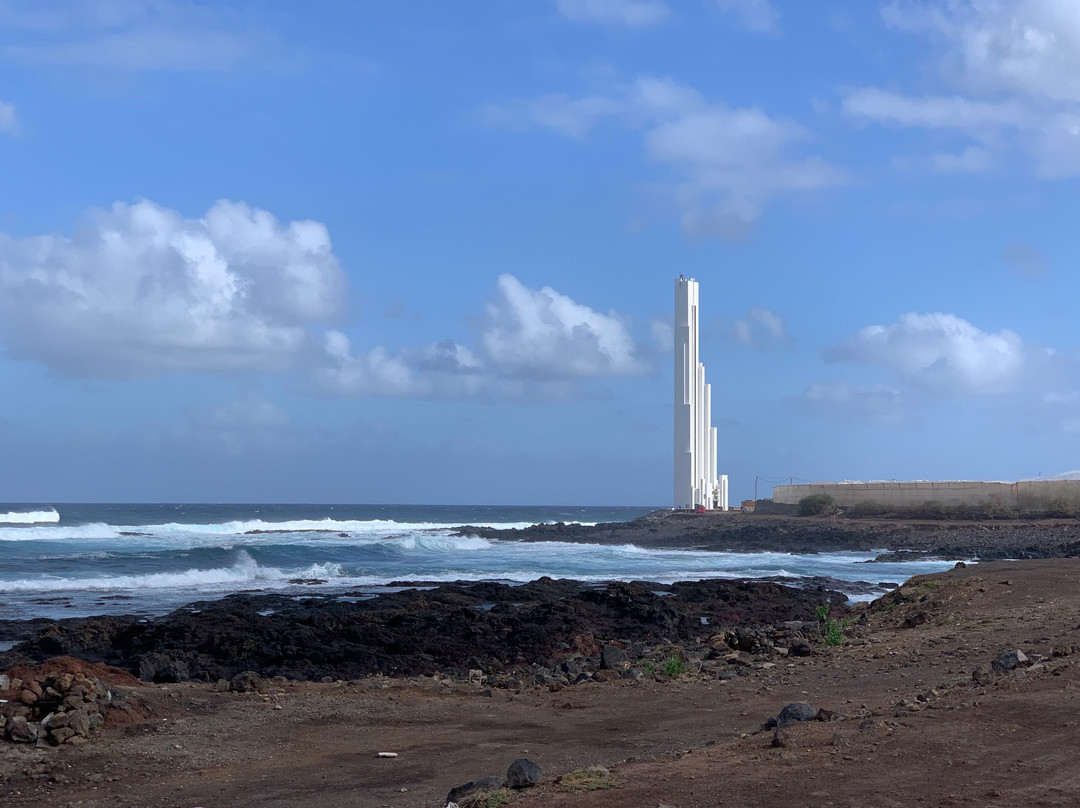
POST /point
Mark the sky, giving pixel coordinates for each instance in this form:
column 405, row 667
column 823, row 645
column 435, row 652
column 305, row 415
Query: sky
column 424, row 252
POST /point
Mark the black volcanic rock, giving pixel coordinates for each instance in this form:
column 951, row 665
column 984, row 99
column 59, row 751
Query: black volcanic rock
column 414, row 631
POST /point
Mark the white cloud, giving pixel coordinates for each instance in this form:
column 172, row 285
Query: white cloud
column 1013, row 73
column 936, row 112
column 757, row 15
column 368, row 373
column 730, row 161
column 939, row 353
column 631, row 13
column 9, row 124
column 760, row 329
column 1029, row 47
column 532, row 341
column 544, row 334
column 140, row 289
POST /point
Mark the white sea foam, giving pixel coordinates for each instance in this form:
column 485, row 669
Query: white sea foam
column 253, row 530
column 29, row 517
column 244, row 571
column 436, row 543
column 96, row 530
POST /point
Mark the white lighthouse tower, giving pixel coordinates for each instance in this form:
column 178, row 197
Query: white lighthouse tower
column 696, row 481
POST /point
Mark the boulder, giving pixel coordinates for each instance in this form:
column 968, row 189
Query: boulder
column 245, row 682
column 474, row 787
column 22, row 731
column 61, row 734
column 792, row 714
column 79, row 722
column 522, row 774
column 800, row 648
column 613, row 659
column 1009, row 660
column 162, row 667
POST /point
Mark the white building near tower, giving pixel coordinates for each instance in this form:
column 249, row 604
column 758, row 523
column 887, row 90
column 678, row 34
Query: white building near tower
column 696, row 481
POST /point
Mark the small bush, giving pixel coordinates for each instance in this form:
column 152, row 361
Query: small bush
column 673, row 666
column 866, row 510
column 817, row 505
column 832, row 631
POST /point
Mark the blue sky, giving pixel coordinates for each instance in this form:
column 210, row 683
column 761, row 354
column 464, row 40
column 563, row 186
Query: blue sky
column 424, row 251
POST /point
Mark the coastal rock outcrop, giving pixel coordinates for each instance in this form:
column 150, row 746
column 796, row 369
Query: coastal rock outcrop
column 527, row 631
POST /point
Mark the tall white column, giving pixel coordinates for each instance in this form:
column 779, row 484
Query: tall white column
column 696, row 481
column 686, row 362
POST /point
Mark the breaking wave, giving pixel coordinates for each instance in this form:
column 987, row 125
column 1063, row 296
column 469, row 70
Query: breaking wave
column 245, row 571
column 30, row 517
column 374, row 529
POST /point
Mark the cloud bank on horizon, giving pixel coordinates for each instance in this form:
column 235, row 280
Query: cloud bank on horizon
column 299, row 238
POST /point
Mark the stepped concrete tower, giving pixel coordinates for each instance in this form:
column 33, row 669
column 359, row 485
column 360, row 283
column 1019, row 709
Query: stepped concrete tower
column 696, row 481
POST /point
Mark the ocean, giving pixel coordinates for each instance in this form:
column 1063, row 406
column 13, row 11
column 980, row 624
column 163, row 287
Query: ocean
column 76, row 560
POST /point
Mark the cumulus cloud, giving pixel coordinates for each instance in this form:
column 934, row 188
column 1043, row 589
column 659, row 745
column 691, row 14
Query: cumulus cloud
column 139, row 289
column 1012, row 70
column 544, row 334
column 9, row 125
column 1031, row 47
column 631, row 13
column 530, row 341
column 756, row 15
column 939, row 353
column 761, row 330
column 374, row 372
column 730, row 162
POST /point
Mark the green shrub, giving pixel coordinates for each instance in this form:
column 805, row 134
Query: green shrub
column 817, row 505
column 832, row 631
column 866, row 510
column 673, row 666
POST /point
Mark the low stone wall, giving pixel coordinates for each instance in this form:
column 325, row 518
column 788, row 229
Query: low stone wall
column 1031, row 494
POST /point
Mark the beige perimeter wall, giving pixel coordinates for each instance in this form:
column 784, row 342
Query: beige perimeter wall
column 947, row 492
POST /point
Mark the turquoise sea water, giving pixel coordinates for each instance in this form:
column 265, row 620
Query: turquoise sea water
column 72, row 560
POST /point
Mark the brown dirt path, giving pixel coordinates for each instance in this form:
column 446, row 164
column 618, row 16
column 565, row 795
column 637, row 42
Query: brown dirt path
column 685, row 743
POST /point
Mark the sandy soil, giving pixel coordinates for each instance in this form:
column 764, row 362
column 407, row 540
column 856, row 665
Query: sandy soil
column 691, row 741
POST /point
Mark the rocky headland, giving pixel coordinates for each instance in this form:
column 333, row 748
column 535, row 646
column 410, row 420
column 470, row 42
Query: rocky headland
column 986, row 540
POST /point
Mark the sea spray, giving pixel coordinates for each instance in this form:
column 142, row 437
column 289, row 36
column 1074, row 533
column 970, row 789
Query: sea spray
column 30, row 517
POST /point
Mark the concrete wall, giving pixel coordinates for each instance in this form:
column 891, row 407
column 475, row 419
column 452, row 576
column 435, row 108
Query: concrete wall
column 1028, row 494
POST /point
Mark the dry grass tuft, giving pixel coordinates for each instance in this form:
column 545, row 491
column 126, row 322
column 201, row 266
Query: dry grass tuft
column 594, row 778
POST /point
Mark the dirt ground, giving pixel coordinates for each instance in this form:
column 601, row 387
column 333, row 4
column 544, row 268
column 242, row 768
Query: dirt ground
column 914, row 728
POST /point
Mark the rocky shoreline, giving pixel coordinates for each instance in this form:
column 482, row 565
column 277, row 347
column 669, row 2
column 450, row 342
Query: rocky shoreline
column 548, row 631
column 954, row 689
column 986, row 540
column 527, row 631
